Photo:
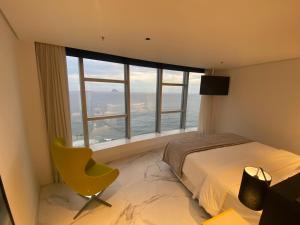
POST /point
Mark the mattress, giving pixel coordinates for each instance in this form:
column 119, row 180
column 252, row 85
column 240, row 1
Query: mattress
column 214, row 176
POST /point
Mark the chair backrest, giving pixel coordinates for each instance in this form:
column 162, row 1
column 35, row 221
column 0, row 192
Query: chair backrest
column 70, row 162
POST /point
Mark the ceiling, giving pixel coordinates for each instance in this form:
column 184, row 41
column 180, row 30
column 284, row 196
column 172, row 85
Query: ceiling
column 199, row 33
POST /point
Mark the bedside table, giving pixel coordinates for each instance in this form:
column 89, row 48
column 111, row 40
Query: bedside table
column 282, row 204
column 229, row 217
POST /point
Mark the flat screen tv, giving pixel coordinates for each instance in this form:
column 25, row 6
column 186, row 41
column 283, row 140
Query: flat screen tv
column 214, row 85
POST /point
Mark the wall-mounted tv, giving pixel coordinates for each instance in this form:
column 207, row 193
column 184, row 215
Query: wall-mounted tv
column 214, row 85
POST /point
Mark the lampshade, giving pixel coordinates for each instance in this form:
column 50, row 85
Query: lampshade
column 254, row 187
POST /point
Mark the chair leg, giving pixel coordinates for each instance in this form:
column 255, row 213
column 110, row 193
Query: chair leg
column 103, row 202
column 85, row 197
column 94, row 197
column 100, row 193
column 100, row 200
column 84, row 207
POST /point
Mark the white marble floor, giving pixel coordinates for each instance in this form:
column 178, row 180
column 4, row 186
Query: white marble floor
column 145, row 193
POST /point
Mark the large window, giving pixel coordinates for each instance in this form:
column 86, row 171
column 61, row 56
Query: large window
column 103, row 98
column 193, row 101
column 75, row 101
column 104, row 113
column 173, row 87
column 110, row 101
column 142, row 99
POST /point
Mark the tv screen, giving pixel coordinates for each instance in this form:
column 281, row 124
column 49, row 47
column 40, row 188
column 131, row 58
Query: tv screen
column 214, row 85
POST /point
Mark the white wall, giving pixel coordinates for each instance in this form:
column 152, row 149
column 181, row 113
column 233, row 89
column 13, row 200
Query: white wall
column 263, row 104
column 19, row 179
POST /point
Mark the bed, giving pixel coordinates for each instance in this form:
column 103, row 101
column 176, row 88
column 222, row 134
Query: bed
column 214, row 176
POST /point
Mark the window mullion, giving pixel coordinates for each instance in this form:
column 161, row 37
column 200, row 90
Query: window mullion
column 83, row 104
column 172, row 84
column 171, row 111
column 104, row 80
column 106, row 117
column 158, row 100
column 127, row 100
column 184, row 100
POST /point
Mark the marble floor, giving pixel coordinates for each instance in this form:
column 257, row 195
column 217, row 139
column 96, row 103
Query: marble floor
column 145, row 193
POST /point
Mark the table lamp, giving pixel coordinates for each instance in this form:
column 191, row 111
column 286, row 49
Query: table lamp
column 254, row 186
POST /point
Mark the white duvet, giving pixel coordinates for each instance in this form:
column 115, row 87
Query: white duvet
column 214, row 176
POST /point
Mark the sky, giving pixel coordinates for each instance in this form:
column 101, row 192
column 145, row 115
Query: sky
column 142, row 79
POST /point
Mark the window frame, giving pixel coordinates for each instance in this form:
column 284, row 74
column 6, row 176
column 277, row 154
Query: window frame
column 81, row 54
column 184, row 97
column 85, row 118
column 190, row 88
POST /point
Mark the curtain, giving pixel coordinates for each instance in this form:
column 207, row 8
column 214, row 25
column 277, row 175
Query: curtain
column 52, row 72
column 206, row 125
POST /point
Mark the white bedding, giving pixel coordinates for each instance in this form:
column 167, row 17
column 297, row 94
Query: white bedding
column 214, row 176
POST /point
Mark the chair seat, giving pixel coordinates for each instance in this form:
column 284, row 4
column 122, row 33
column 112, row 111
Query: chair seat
column 98, row 169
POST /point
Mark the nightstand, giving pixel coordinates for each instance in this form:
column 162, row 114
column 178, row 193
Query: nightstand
column 282, row 205
column 229, row 217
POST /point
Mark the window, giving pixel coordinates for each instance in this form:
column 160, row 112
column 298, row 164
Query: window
column 172, row 76
column 171, row 98
column 106, row 130
column 104, row 99
column 193, row 102
column 172, row 111
column 170, row 121
column 103, row 70
column 142, row 99
column 110, row 101
column 103, row 96
column 75, row 101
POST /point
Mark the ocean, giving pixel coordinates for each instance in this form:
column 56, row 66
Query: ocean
column 142, row 106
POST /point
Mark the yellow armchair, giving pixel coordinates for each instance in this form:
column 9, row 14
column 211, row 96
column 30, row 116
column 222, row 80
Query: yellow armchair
column 79, row 171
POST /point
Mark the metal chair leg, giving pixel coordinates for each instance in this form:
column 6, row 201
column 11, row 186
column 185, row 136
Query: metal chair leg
column 85, row 197
column 103, row 202
column 83, row 208
column 100, row 193
column 94, row 197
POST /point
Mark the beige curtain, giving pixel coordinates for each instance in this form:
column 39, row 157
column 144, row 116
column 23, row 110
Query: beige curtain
column 206, row 125
column 52, row 71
